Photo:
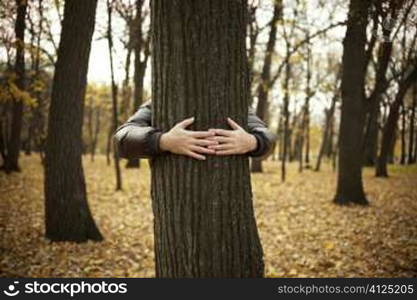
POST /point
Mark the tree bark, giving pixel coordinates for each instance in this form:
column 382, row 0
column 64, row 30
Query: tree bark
column 203, row 213
column 349, row 181
column 11, row 162
column 68, row 217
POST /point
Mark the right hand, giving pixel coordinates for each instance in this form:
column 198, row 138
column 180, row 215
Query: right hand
column 181, row 141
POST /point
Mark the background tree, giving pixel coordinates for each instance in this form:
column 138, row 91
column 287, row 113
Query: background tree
column 389, row 129
column 349, row 180
column 263, row 89
column 412, row 136
column 13, row 146
column 68, row 217
column 114, row 92
column 204, row 219
column 141, row 44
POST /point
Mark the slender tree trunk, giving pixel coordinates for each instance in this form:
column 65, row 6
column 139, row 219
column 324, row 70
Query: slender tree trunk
column 349, row 181
column 411, row 145
column 286, row 115
column 403, row 129
column 110, row 133
column 373, row 102
column 326, row 132
column 371, row 139
column 11, row 163
column 280, row 134
column 391, row 124
column 264, row 83
column 391, row 150
column 68, row 217
column 306, row 116
column 415, row 150
column 203, row 213
column 114, row 95
column 96, row 132
column 140, row 45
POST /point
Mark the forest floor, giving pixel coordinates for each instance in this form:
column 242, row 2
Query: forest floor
column 303, row 233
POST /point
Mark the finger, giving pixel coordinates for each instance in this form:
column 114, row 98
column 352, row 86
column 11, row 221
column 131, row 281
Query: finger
column 222, row 139
column 201, row 134
column 226, row 152
column 233, row 124
column 223, row 132
column 205, row 142
column 221, row 147
column 185, row 123
column 210, row 138
column 195, row 155
column 202, row 150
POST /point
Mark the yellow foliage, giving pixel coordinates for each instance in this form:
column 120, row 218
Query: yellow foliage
column 303, row 233
column 11, row 92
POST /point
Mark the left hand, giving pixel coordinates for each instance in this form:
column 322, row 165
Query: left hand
column 232, row 142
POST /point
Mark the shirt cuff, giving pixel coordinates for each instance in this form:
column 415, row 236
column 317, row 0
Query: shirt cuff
column 260, row 146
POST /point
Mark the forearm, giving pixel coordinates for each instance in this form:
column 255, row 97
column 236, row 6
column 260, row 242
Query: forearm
column 135, row 141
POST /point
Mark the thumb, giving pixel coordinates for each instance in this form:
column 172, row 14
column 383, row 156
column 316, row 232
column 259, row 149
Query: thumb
column 233, row 124
column 185, row 123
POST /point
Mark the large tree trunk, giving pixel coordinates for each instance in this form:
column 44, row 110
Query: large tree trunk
column 349, row 181
column 68, row 217
column 11, row 162
column 204, row 218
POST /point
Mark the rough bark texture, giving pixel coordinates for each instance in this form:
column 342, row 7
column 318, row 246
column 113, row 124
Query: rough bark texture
column 349, row 183
column 68, row 216
column 204, row 220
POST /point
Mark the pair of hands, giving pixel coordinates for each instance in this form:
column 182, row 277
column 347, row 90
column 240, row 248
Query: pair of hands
column 195, row 144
